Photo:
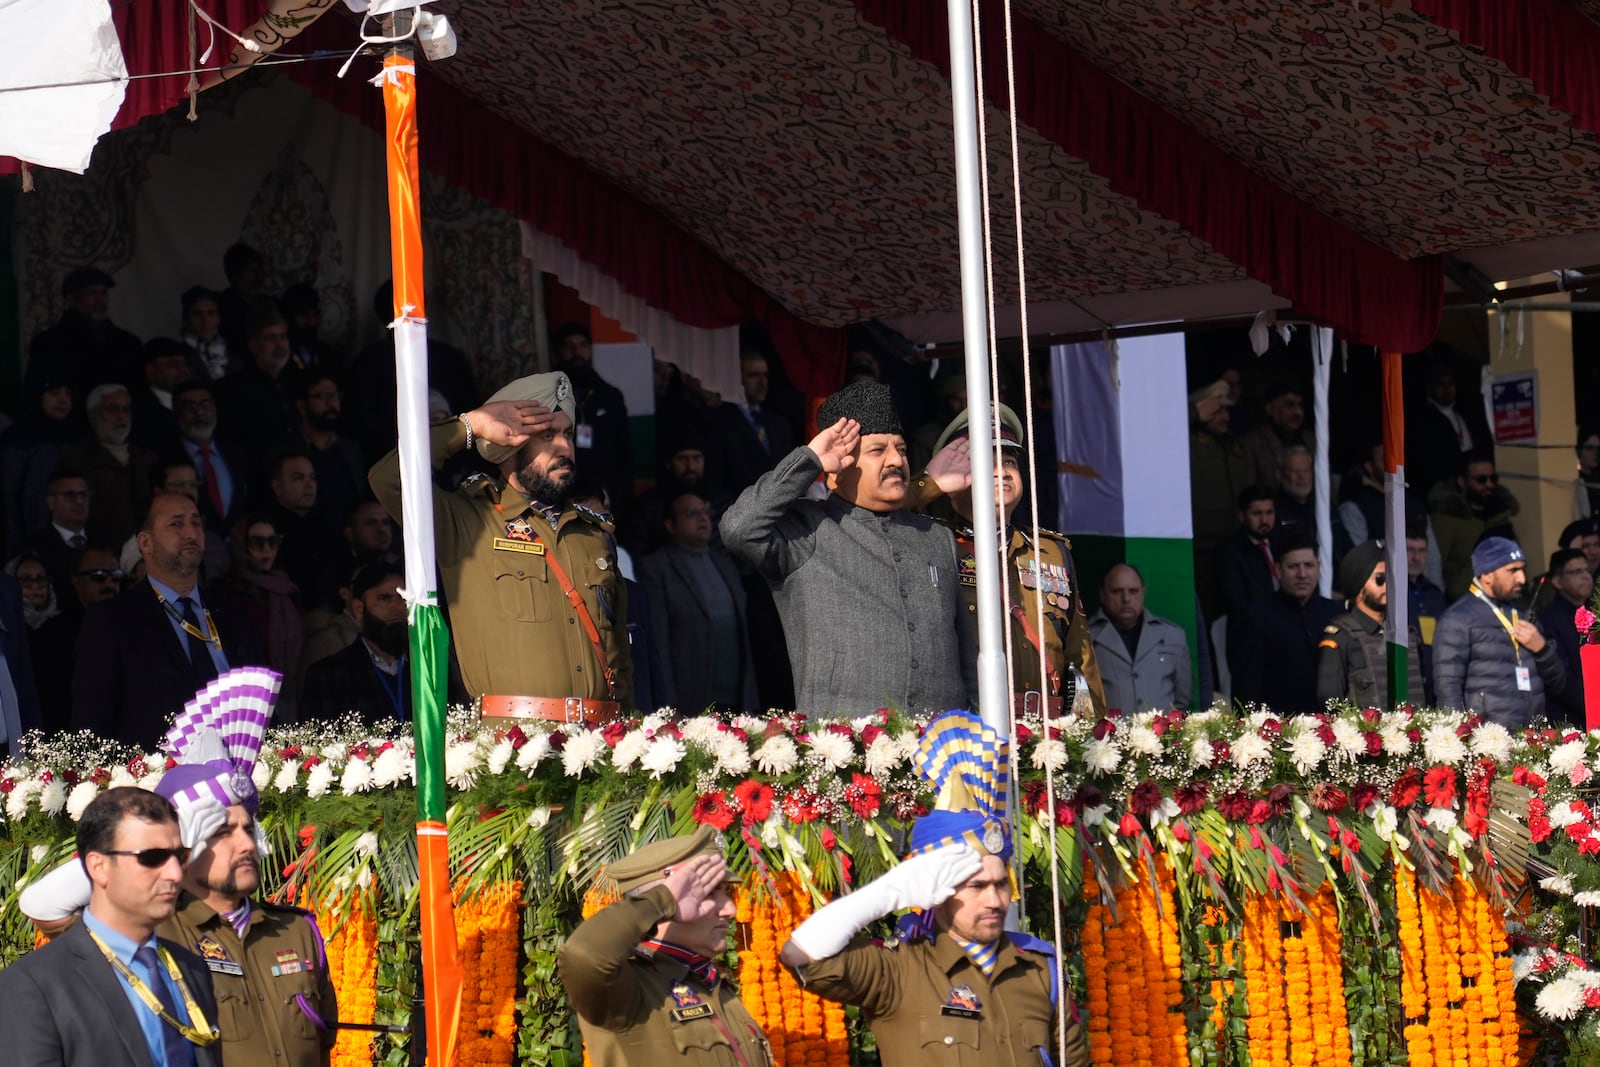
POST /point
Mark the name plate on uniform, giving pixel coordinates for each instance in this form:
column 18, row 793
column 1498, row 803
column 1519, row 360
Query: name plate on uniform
column 507, row 544
column 699, row 1011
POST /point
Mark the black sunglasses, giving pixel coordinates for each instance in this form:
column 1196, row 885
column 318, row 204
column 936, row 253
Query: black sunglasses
column 99, row 575
column 154, row 858
column 1381, row 579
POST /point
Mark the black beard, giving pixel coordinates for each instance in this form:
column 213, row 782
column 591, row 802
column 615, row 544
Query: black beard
column 229, row 886
column 328, row 420
column 542, row 487
column 391, row 637
column 1373, row 603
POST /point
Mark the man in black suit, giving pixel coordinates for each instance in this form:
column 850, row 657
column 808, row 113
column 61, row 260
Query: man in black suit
column 141, row 656
column 68, row 504
column 75, row 1002
column 19, row 699
column 1247, row 570
column 698, row 605
column 221, row 470
column 753, row 436
column 1272, row 644
column 369, row 676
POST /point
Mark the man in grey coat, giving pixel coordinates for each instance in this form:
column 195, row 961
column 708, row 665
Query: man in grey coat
column 869, row 594
column 1144, row 659
column 697, row 606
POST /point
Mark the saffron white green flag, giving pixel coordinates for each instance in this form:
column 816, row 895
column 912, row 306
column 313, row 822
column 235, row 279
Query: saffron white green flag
column 1122, row 427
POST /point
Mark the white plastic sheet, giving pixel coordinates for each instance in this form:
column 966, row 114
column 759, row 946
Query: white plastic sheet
column 72, row 47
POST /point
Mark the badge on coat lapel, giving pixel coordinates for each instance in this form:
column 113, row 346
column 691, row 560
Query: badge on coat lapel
column 689, row 1004
column 962, row 1003
column 217, row 959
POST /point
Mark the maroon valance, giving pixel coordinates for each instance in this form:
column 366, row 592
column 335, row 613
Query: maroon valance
column 1330, row 273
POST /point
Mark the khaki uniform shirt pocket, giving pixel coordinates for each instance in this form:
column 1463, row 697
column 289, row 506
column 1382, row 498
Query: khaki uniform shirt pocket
column 299, row 1023
column 235, row 1020
column 703, row 1041
column 522, row 585
column 950, row 1039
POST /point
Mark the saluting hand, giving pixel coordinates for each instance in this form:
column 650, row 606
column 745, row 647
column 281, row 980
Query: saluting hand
column 692, row 883
column 951, row 466
column 836, row 445
column 1528, row 636
column 510, row 422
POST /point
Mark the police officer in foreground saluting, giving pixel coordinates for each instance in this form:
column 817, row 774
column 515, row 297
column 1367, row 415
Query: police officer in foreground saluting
column 1032, row 570
column 537, row 606
column 640, row 974
column 955, row 987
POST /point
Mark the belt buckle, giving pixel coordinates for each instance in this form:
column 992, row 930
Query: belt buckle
column 573, row 706
column 1033, row 701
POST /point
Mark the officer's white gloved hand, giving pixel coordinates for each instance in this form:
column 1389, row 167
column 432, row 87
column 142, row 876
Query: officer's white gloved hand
column 923, row 881
column 198, row 819
column 57, row 895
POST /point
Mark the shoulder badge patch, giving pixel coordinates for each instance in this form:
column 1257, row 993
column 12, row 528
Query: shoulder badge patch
column 602, row 520
column 1330, row 629
column 689, row 1004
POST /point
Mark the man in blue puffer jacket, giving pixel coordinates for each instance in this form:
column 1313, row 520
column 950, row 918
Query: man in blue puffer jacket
column 1487, row 657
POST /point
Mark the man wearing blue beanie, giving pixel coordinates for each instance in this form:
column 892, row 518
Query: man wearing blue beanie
column 1488, row 657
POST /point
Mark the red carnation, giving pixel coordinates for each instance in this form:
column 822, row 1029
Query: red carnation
column 1329, row 798
column 1104, row 729
column 1180, row 831
column 1589, row 846
column 1221, row 752
column 1191, row 798
column 558, row 740
column 1414, row 735
column 871, row 733
column 711, row 809
column 1146, row 797
column 842, row 729
column 1405, row 792
column 1260, row 812
column 755, row 799
column 1374, row 741
column 1326, row 734
column 517, row 738
column 614, row 732
column 1579, row 830
column 1064, row 816
column 864, row 795
column 1235, row 805
column 1439, row 787
column 1362, row 796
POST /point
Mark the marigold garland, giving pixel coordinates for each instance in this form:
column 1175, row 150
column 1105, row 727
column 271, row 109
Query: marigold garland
column 489, row 940
column 804, row 1030
column 1133, row 1007
column 353, row 969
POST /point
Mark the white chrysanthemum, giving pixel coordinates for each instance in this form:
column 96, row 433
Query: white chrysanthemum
column 500, row 755
column 336, row 752
column 390, row 768
column 1559, row 883
column 908, row 741
column 882, row 756
column 79, row 798
column 1441, row 819
column 777, row 755
column 1347, row 739
column 663, row 756
column 1396, row 741
column 1587, row 899
column 631, row 747
column 53, row 797
column 288, row 775
column 153, row 779
column 533, row 750
column 260, row 776
column 700, row 730
column 1201, row 753
column 37, row 853
column 1096, row 815
column 318, row 780
column 461, row 764
column 20, row 796
column 357, row 777
column 1565, row 757
column 583, row 749
column 1306, row 751
column 1049, row 755
column 1200, row 718
column 1585, row 977
column 1144, row 741
column 539, row 817
column 1561, row 999
column 1441, row 745
column 121, row 779
column 367, row 844
column 832, row 751
column 1102, row 756
column 1251, row 748
column 733, row 755
column 1492, row 741
column 1562, row 816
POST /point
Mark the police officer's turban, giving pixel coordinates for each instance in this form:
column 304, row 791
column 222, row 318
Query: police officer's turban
column 216, row 739
column 869, row 403
column 967, row 764
column 552, row 390
column 1357, row 566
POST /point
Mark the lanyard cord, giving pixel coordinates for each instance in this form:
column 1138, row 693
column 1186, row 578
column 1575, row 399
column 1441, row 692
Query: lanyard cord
column 202, row 1035
column 1509, row 624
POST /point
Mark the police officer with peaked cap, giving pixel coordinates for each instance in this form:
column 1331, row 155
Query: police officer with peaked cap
column 641, row 973
column 537, row 606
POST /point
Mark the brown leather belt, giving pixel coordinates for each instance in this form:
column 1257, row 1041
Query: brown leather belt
column 1033, row 703
column 551, row 709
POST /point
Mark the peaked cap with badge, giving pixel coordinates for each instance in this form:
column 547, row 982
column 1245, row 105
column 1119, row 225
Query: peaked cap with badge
column 552, row 390
column 645, row 865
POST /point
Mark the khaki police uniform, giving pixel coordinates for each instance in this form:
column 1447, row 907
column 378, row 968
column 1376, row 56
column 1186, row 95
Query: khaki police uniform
column 1353, row 662
column 257, row 980
column 515, row 631
column 929, row 1005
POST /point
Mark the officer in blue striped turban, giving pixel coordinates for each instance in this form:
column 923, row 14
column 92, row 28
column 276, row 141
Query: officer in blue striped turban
column 955, row 988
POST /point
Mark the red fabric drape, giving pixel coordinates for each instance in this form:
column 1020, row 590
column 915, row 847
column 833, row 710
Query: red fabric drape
column 1331, row 273
column 1549, row 42
column 472, row 148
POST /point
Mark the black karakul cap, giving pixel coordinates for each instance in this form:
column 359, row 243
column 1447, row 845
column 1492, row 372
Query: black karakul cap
column 83, row 277
column 869, row 403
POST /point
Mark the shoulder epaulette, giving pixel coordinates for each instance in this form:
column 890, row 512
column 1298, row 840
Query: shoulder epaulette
column 1054, row 536
column 1029, row 943
column 605, row 521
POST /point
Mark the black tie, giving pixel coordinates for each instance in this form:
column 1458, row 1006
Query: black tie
column 174, row 1046
column 199, row 651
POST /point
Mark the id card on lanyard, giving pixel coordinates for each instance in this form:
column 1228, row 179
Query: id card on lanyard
column 1524, row 674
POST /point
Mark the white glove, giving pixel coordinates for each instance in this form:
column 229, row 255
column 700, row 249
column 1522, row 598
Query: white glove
column 57, row 895
column 198, row 819
column 923, row 881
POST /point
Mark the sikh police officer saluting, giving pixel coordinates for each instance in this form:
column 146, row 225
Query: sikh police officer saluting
column 640, row 974
column 1033, row 571
column 537, row 605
